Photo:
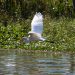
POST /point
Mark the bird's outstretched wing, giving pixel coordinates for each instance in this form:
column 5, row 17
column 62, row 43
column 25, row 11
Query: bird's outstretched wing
column 37, row 24
column 36, row 27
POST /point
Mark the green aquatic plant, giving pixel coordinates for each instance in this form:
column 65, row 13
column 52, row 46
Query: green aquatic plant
column 60, row 35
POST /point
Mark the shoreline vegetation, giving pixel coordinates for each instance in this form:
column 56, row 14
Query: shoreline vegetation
column 59, row 24
column 59, row 34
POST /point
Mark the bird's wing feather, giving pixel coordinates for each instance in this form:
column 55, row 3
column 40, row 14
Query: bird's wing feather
column 36, row 36
column 37, row 23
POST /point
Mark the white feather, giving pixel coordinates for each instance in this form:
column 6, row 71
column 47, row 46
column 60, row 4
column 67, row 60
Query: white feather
column 36, row 29
column 37, row 24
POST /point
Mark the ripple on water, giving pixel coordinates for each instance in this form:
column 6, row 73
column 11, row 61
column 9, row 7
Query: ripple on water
column 37, row 63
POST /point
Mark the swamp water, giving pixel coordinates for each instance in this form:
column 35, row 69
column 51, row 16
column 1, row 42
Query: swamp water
column 26, row 62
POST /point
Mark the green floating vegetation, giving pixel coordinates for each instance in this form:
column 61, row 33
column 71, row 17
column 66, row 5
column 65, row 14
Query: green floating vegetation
column 59, row 34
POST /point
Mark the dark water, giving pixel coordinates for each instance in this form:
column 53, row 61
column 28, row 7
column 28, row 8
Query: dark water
column 21, row 62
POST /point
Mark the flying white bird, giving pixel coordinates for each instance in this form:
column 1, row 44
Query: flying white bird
column 36, row 29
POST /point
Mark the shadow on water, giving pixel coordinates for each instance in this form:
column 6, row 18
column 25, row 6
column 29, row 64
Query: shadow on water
column 22, row 62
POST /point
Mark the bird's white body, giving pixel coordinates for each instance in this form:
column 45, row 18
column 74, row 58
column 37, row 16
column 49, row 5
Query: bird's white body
column 36, row 28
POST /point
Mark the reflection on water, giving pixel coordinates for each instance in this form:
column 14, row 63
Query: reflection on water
column 21, row 62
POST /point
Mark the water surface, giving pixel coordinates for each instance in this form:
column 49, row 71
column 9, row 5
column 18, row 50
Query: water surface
column 23, row 62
